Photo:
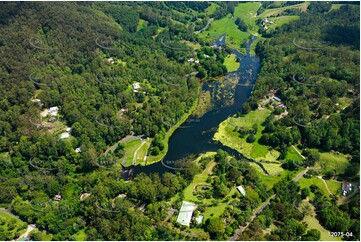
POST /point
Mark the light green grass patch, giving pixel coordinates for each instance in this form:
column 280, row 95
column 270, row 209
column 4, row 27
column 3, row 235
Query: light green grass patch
column 19, row 226
column 276, row 11
column 234, row 37
column 193, row 45
column 293, row 155
column 80, row 235
column 212, row 8
column 273, row 169
column 141, row 24
column 307, row 182
column 214, row 212
column 248, row 13
column 270, row 181
column 228, row 137
column 142, row 152
column 231, row 62
column 313, row 223
column 332, row 162
column 281, row 20
column 129, row 149
column 334, row 186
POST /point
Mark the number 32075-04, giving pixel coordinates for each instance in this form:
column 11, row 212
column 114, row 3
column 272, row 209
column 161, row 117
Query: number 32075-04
column 338, row 234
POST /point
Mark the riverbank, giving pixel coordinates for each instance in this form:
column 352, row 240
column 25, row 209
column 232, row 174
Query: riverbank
column 154, row 159
column 228, row 134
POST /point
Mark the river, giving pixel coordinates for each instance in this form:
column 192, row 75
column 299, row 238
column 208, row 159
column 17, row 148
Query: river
column 197, row 137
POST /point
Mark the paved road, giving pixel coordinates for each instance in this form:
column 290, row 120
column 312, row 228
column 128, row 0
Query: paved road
column 260, row 209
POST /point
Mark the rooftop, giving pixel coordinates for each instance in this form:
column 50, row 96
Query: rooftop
column 185, row 213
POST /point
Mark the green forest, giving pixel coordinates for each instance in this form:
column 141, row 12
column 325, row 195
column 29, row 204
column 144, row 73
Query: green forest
column 79, row 81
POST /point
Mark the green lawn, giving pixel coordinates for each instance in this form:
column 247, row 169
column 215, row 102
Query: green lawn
column 313, row 223
column 273, row 169
column 333, row 162
column 141, row 24
column 142, row 152
column 334, row 186
column 212, row 8
column 234, row 38
column 293, row 155
column 129, row 149
column 307, row 182
column 270, row 181
column 198, row 179
column 248, row 12
column 231, row 63
column 228, row 137
column 80, row 236
column 275, row 11
column 281, row 20
column 12, row 227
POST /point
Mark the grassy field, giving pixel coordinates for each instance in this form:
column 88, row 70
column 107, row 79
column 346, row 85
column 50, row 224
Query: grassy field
column 275, row 11
column 231, row 63
column 142, row 152
column 281, row 20
column 129, row 149
column 228, row 137
column 141, row 24
column 307, row 182
column 273, row 169
column 269, row 181
column 234, row 38
column 198, row 179
column 293, row 155
column 248, row 12
column 154, row 159
column 334, row 186
column 211, row 9
column 11, row 227
column 330, row 161
column 313, row 223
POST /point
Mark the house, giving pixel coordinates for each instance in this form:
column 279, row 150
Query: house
column 265, row 28
column 84, row 196
column 65, row 135
column 53, row 111
column 277, row 99
column 241, row 190
column 122, row 196
column 346, row 188
column 185, row 213
column 266, row 20
column 78, row 150
column 206, row 56
column 110, row 60
column 196, row 61
column 136, row 86
column 57, row 197
column 68, row 129
column 190, row 60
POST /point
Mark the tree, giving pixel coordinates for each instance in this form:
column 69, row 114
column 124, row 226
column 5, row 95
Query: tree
column 215, row 227
column 251, row 138
column 312, row 235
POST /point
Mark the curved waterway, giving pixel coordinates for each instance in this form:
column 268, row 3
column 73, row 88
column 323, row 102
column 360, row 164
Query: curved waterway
column 197, row 137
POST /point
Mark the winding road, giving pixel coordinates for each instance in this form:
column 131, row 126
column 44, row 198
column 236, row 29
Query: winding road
column 261, row 207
